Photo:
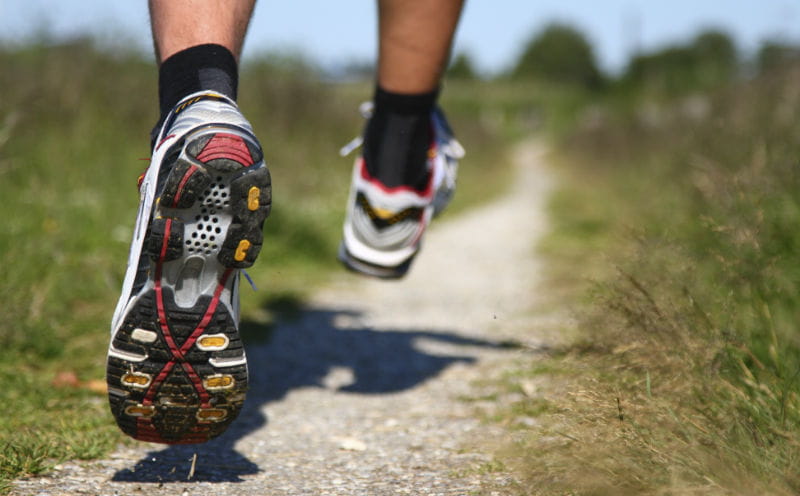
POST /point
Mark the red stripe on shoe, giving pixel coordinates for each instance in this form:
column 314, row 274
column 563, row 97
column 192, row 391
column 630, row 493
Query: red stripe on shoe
column 226, row 146
column 145, row 430
column 201, row 327
column 212, row 307
column 183, row 182
column 197, row 382
column 362, row 165
column 159, row 379
column 164, row 140
column 162, row 314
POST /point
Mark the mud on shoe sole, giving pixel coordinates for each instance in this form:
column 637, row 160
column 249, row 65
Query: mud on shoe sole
column 176, row 369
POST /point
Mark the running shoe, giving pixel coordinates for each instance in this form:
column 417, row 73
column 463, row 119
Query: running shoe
column 176, row 367
column 384, row 226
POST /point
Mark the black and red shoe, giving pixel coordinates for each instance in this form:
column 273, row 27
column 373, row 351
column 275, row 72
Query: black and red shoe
column 176, row 369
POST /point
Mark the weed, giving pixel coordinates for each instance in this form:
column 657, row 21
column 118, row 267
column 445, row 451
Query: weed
column 687, row 374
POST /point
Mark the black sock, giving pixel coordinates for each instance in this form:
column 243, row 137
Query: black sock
column 199, row 68
column 398, row 136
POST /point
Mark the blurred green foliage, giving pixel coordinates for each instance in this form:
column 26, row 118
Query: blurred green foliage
column 559, row 54
column 773, row 55
column 462, row 68
column 704, row 63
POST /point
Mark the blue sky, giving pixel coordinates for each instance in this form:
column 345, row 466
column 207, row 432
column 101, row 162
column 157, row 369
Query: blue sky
column 492, row 31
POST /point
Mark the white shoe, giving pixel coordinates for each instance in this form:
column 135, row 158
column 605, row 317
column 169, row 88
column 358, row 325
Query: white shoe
column 176, row 367
column 384, row 226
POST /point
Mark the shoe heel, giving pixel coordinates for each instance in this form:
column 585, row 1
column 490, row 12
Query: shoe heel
column 233, row 159
column 185, row 184
column 225, row 170
column 224, row 150
column 191, row 395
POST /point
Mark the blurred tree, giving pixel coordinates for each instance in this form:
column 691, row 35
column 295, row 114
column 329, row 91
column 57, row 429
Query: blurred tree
column 664, row 70
column 709, row 60
column 559, row 54
column 715, row 57
column 462, row 68
column 775, row 54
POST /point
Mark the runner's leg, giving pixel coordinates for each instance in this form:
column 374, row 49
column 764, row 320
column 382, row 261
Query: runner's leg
column 176, row 366
column 414, row 43
column 197, row 44
column 406, row 173
column 180, row 24
column 414, row 46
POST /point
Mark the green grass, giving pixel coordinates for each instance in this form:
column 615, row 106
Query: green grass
column 74, row 126
column 685, row 374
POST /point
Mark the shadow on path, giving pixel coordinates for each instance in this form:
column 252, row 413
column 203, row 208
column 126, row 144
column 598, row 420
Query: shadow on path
column 301, row 353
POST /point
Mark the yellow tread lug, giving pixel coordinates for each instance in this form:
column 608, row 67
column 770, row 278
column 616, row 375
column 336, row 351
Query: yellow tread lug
column 135, row 379
column 211, row 414
column 219, row 382
column 253, row 196
column 140, row 410
column 213, row 341
column 241, row 250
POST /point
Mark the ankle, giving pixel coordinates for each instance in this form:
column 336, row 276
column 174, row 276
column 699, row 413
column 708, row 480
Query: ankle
column 398, row 136
column 199, row 68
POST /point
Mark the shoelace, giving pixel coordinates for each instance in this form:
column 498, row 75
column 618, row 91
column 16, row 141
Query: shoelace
column 365, row 109
column 451, row 149
column 249, row 279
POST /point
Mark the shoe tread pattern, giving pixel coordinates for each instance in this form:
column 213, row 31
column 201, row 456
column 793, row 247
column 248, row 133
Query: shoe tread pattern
column 187, row 393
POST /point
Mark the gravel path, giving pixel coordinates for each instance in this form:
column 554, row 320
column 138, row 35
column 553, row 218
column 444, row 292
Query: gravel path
column 361, row 394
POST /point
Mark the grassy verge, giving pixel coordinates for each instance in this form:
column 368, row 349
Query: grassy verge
column 685, row 375
column 74, row 125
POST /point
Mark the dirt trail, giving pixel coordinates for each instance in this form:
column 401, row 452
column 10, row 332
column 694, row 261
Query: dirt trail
column 361, row 394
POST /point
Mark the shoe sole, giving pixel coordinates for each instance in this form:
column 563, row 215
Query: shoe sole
column 369, row 269
column 176, row 369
